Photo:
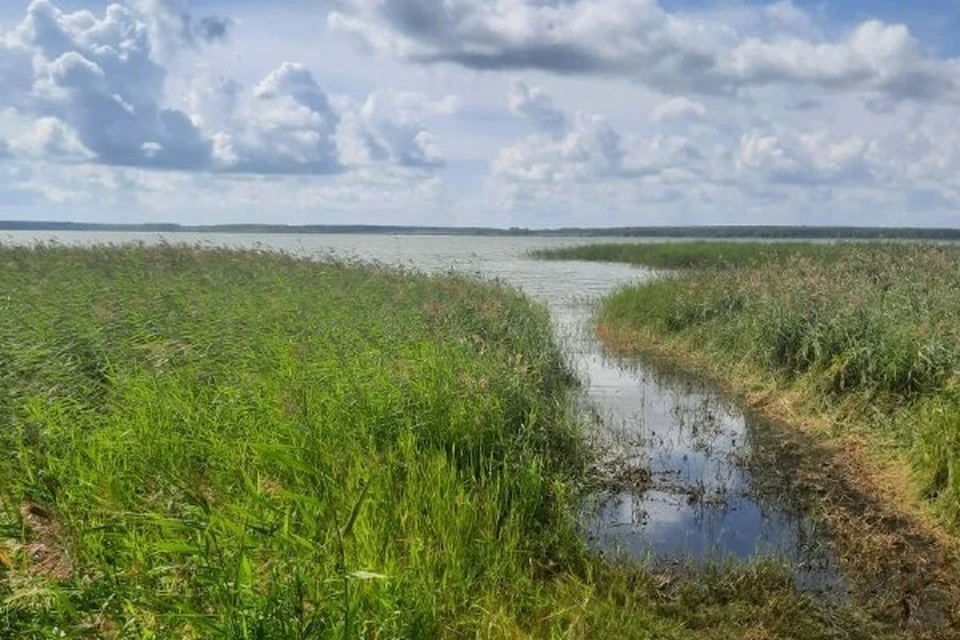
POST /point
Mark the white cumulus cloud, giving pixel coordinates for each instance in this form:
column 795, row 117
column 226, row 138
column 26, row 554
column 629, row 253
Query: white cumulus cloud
column 640, row 40
column 93, row 88
column 578, row 148
column 678, row 108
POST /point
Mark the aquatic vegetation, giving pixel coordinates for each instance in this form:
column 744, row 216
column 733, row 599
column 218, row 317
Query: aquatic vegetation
column 874, row 323
column 857, row 347
column 240, row 444
column 692, row 255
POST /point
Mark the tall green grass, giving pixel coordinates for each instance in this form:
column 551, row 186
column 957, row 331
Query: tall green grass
column 255, row 446
column 211, row 443
column 873, row 328
column 690, row 255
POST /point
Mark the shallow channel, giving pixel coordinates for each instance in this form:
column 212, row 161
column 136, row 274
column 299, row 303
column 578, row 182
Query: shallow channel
column 714, row 493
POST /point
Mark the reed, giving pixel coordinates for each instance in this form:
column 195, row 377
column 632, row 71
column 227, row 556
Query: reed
column 240, row 444
column 868, row 327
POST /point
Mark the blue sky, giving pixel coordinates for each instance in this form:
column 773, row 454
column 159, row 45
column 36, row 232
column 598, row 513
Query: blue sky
column 481, row 112
column 935, row 22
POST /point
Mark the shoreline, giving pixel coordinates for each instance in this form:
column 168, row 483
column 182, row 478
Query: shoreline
column 862, row 490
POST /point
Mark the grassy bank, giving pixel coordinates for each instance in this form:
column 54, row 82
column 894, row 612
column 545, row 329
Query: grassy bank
column 869, row 326
column 210, row 443
column 692, row 255
column 858, row 342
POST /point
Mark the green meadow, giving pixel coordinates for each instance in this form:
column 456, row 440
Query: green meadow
column 241, row 444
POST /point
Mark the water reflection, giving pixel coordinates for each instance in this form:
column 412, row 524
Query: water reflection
column 705, row 500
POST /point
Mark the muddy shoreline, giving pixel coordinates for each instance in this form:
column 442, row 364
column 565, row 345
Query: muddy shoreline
column 902, row 565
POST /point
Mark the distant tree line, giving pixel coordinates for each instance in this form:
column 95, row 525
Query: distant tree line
column 730, row 231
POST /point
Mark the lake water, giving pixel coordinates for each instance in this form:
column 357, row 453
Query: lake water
column 703, row 502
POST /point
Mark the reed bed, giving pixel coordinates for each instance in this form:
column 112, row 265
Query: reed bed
column 869, row 327
column 205, row 443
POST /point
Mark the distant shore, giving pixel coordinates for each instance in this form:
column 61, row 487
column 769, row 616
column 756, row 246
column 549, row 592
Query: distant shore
column 734, row 231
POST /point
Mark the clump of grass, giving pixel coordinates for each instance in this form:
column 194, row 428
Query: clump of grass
column 690, row 255
column 255, row 445
column 873, row 326
column 213, row 443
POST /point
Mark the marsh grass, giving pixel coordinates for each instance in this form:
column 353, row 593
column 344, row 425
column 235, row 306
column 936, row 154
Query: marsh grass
column 875, row 325
column 692, row 255
column 240, row 444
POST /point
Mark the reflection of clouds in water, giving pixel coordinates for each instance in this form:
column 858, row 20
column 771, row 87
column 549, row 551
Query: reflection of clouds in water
column 738, row 528
column 608, row 382
column 687, row 432
column 666, row 525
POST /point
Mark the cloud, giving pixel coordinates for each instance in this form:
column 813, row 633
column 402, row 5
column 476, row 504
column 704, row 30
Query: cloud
column 383, row 194
column 389, row 127
column 585, row 147
column 536, row 105
column 737, row 112
column 786, row 17
column 97, row 77
column 803, row 158
column 884, row 58
column 579, row 148
column 805, row 105
column 213, row 28
column 173, row 28
column 590, row 150
column 691, row 164
column 94, row 89
column 288, row 124
column 285, row 125
column 639, row 40
column 679, row 108
column 51, row 138
column 212, row 101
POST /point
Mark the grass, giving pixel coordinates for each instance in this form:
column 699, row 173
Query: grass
column 876, row 324
column 863, row 338
column 240, row 444
column 692, row 255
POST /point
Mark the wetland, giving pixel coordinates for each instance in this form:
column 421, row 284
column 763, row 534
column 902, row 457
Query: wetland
column 376, row 436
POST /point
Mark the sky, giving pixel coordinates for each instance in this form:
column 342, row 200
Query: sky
column 530, row 113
